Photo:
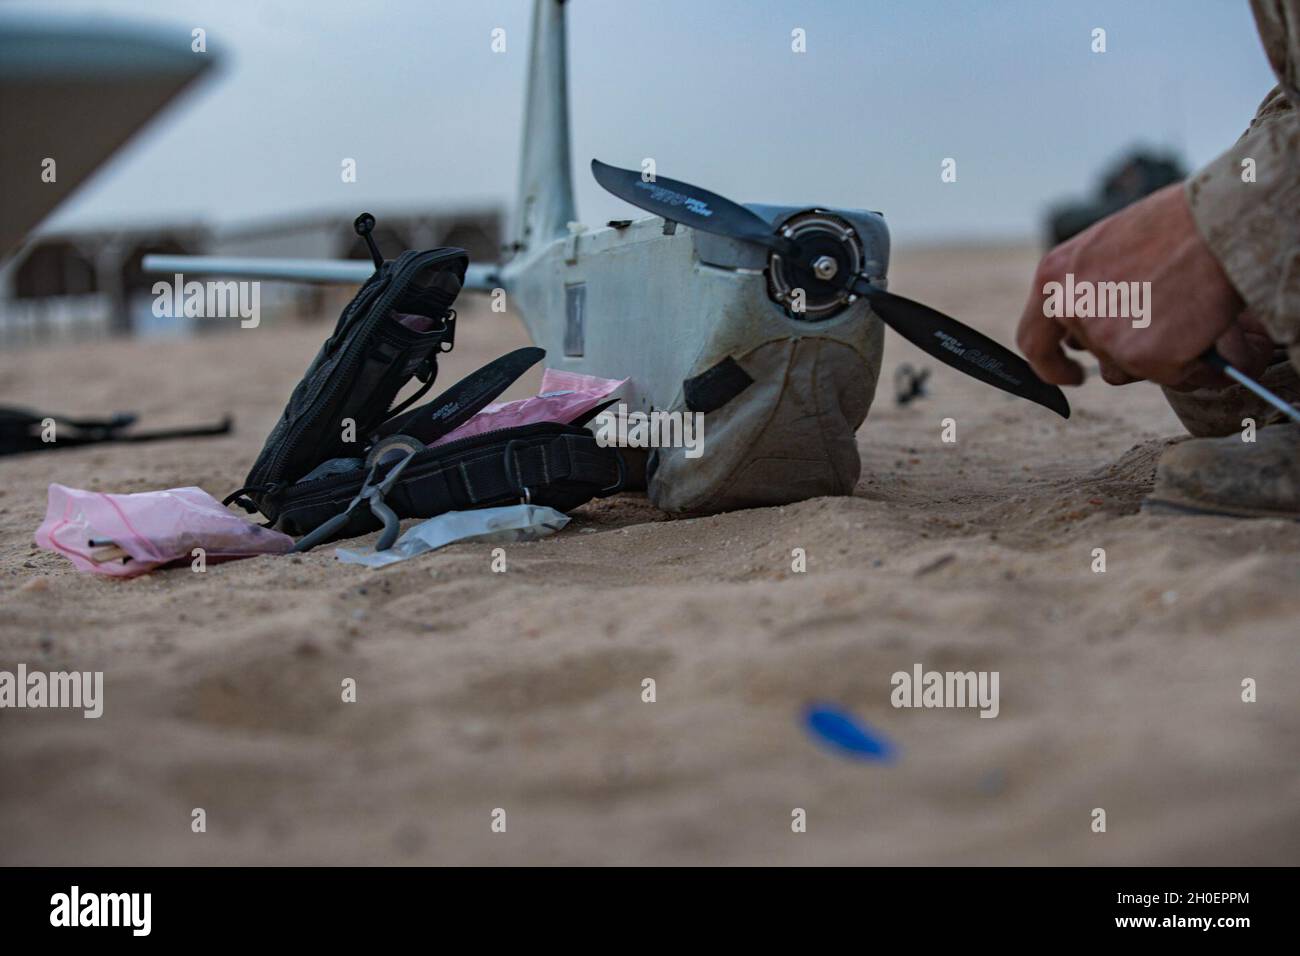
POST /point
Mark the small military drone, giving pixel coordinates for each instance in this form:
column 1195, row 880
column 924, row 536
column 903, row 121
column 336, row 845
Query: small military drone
column 588, row 295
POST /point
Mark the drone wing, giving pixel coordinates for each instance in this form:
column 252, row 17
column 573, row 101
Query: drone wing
column 481, row 277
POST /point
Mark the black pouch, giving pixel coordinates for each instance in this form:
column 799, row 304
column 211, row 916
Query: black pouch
column 311, row 480
column 392, row 329
column 544, row 463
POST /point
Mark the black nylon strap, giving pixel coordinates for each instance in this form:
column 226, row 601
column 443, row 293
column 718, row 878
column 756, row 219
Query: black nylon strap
column 570, row 468
column 546, row 464
column 714, row 387
column 522, row 467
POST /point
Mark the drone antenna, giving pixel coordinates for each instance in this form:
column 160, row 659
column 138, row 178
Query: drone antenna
column 364, row 224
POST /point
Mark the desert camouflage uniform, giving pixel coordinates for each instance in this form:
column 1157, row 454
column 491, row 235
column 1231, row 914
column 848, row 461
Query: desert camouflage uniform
column 1253, row 229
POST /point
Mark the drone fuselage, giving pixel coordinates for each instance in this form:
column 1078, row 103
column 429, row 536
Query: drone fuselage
column 644, row 300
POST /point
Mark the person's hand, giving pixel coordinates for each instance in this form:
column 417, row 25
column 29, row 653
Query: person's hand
column 1191, row 305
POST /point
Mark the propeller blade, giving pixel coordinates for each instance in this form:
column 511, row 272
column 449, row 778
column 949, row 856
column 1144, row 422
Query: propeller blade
column 962, row 347
column 690, row 205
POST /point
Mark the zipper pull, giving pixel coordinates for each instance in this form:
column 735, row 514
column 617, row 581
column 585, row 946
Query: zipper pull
column 363, row 225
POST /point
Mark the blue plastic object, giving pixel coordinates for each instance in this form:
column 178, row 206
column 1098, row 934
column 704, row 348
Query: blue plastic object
column 842, row 733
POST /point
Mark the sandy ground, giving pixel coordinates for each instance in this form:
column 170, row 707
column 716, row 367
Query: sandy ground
column 522, row 690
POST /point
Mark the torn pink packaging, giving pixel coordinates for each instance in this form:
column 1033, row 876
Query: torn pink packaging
column 565, row 396
column 153, row 528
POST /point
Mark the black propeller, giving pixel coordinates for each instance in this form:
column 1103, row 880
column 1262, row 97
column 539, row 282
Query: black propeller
column 942, row 336
column 691, row 206
column 962, row 347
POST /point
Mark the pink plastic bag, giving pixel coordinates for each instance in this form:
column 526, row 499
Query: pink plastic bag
column 152, row 528
column 564, row 397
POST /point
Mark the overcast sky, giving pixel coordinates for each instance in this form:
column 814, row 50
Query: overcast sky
column 710, row 88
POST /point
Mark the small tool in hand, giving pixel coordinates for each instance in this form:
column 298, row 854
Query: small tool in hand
column 1218, row 361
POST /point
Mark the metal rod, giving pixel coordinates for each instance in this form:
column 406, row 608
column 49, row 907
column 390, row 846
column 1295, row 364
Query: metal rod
column 1219, row 362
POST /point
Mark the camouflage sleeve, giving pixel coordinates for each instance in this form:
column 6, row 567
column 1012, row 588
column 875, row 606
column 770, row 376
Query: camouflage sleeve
column 1246, row 203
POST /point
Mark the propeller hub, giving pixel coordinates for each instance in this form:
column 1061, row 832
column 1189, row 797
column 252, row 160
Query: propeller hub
column 828, row 252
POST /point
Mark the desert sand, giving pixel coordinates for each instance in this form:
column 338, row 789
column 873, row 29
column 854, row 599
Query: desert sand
column 522, row 691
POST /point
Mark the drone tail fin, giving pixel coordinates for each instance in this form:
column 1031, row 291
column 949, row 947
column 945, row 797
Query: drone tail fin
column 545, row 207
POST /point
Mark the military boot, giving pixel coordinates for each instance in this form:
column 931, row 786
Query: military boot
column 1230, row 476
